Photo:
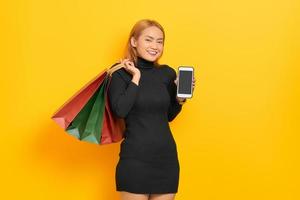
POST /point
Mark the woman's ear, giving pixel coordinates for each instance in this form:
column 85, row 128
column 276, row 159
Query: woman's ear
column 133, row 41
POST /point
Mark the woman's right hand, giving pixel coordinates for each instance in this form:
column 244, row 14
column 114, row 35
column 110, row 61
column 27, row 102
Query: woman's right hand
column 129, row 66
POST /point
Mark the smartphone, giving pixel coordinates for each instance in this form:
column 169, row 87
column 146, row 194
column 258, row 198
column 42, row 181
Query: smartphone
column 185, row 81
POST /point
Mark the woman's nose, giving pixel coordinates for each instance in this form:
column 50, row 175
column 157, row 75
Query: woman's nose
column 154, row 46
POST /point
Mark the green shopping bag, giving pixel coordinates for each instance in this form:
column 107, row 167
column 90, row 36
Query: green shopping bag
column 88, row 123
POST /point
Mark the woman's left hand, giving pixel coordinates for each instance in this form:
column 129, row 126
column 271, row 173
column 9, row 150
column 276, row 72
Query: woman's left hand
column 176, row 82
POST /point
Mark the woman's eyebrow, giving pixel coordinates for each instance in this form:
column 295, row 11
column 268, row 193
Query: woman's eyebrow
column 153, row 37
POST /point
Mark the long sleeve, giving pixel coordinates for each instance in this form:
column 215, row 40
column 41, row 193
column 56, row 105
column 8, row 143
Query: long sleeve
column 121, row 95
column 174, row 107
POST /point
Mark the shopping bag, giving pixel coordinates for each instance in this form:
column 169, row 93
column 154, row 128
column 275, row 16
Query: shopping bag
column 87, row 114
column 113, row 127
column 67, row 112
column 87, row 125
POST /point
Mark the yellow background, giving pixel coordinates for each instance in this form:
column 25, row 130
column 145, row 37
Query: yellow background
column 237, row 138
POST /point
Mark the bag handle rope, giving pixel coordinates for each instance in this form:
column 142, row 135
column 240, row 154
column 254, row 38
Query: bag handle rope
column 114, row 68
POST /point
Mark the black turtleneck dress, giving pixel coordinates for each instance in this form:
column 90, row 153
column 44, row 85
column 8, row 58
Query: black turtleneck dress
column 148, row 154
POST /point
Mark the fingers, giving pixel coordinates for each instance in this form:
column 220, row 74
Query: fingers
column 194, row 82
column 126, row 63
column 176, row 80
column 129, row 63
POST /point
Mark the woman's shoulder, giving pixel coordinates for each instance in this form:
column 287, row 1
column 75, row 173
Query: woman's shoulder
column 167, row 70
column 125, row 75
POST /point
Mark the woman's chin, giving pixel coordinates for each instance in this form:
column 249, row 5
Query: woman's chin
column 151, row 58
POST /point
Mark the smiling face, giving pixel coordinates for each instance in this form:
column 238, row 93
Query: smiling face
column 149, row 44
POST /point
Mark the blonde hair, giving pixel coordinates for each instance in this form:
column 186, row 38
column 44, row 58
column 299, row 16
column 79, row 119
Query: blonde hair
column 130, row 51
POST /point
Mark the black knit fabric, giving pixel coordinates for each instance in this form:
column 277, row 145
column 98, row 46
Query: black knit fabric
column 148, row 154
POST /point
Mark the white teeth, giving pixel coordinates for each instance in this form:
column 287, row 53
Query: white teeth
column 152, row 52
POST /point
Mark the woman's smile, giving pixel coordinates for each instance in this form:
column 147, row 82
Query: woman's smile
column 152, row 53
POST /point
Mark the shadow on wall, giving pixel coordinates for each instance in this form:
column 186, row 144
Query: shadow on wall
column 56, row 149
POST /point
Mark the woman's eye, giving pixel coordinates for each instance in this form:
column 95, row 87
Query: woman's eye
column 148, row 40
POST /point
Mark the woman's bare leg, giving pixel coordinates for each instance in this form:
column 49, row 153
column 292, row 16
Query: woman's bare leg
column 169, row 196
column 133, row 196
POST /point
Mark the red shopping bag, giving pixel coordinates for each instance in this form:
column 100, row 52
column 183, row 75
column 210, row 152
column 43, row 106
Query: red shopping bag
column 112, row 128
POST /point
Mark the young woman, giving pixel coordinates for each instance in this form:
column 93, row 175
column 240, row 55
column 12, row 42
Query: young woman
column 143, row 92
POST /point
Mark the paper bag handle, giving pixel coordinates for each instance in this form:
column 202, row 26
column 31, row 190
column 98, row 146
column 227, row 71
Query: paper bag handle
column 114, row 68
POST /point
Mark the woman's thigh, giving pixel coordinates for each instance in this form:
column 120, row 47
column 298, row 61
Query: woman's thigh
column 133, row 196
column 170, row 196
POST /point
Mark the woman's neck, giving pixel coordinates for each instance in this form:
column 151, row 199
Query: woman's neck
column 143, row 63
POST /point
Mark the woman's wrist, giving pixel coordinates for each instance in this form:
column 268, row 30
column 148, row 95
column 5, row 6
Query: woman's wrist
column 181, row 100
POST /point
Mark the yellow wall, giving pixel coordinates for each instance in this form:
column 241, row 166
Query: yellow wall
column 237, row 139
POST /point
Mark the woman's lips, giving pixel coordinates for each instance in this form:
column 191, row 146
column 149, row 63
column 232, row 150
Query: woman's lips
column 152, row 53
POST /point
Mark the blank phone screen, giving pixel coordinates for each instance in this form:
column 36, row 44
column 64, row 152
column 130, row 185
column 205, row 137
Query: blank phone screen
column 185, row 82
